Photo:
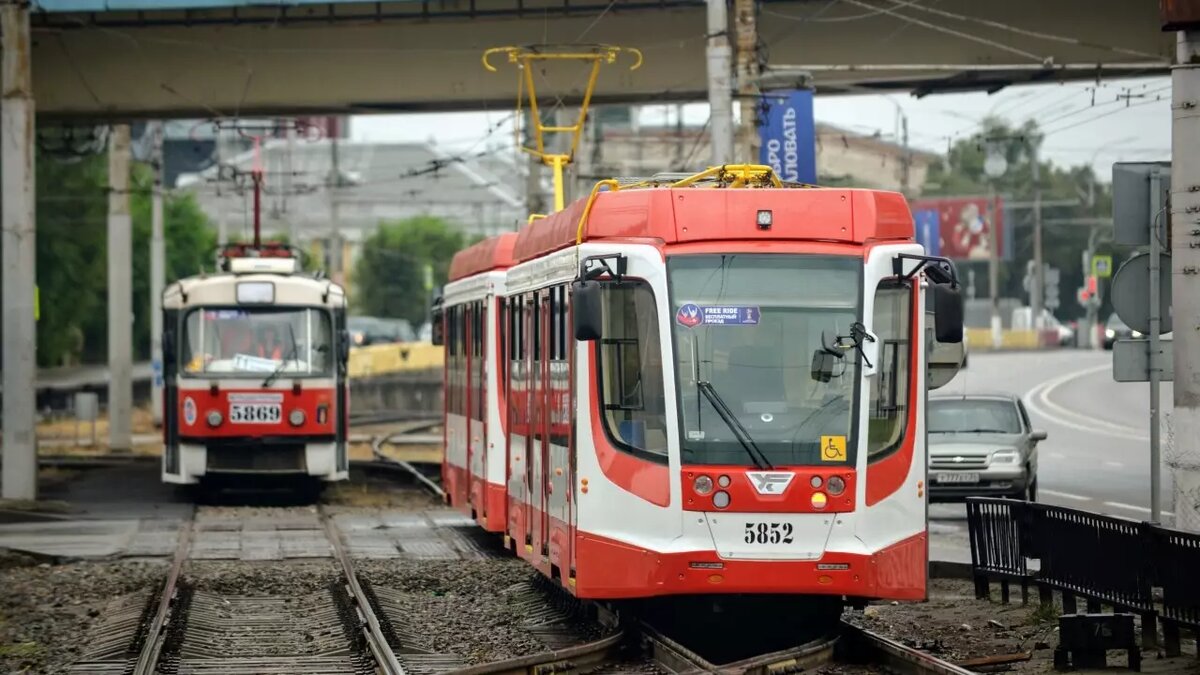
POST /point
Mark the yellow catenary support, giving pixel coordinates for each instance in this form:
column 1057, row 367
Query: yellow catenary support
column 524, row 59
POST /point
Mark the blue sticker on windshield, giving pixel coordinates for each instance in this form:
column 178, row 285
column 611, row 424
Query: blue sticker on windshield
column 691, row 315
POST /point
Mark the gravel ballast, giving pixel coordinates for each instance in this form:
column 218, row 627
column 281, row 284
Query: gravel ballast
column 46, row 609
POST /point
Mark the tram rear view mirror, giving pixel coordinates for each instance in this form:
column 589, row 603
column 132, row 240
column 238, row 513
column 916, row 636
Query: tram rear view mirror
column 822, row 365
column 585, row 307
column 947, row 314
column 436, row 331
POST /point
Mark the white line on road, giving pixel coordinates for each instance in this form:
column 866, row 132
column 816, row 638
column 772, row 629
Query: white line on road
column 1055, row 455
column 1064, row 495
column 1113, row 465
column 1134, row 507
column 1038, row 399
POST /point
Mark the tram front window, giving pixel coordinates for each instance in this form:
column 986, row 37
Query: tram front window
column 745, row 328
column 253, row 343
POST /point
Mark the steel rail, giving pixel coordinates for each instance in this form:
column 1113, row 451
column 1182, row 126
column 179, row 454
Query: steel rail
column 377, row 642
column 380, row 457
column 675, row 658
column 152, row 645
column 570, row 659
column 892, row 655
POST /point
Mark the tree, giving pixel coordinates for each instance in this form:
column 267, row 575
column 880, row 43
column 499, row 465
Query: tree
column 1065, row 230
column 72, row 263
column 390, row 274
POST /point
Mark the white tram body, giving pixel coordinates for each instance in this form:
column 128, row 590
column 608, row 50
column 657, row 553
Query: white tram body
column 254, row 366
column 702, row 391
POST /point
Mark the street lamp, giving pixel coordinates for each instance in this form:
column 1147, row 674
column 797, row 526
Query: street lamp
column 994, row 166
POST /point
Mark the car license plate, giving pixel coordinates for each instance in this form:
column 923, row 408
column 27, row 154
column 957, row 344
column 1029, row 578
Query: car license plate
column 255, row 413
column 957, row 477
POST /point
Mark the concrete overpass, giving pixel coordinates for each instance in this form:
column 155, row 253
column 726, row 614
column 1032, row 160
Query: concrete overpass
column 168, row 58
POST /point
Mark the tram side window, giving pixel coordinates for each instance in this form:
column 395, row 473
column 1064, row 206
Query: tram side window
column 889, row 389
column 631, row 370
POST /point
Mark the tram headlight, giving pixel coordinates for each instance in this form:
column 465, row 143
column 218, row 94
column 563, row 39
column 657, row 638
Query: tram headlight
column 296, row 417
column 724, row 481
column 702, row 485
column 836, row 485
column 815, row 482
column 721, row 500
column 214, row 418
column 819, row 500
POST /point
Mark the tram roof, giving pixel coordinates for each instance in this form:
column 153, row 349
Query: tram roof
column 493, row 253
column 693, row 214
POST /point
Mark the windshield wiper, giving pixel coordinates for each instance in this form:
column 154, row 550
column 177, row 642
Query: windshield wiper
column 739, row 431
column 291, row 357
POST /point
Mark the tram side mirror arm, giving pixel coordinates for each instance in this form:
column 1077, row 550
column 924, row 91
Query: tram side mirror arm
column 587, row 317
column 344, row 345
column 947, row 313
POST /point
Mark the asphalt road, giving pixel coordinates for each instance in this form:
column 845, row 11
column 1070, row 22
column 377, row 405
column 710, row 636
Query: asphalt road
column 1097, row 455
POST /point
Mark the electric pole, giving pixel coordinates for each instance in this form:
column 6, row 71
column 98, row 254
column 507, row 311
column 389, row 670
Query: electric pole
column 905, row 157
column 335, row 182
column 1037, row 297
column 120, row 293
column 222, row 229
column 1185, row 292
column 747, row 80
column 720, row 93
column 158, row 274
column 19, row 253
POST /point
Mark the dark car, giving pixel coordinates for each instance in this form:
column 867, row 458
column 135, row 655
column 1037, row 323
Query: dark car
column 370, row 330
column 981, row 445
column 1115, row 329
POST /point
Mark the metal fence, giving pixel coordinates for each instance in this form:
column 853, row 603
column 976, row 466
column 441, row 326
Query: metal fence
column 1104, row 560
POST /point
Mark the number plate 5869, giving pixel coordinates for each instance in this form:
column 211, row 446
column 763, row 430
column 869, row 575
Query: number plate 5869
column 768, row 533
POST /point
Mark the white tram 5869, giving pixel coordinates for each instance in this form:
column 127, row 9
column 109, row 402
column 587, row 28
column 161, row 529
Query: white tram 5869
column 254, row 371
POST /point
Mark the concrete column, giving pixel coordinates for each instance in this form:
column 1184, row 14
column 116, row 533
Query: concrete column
column 158, row 274
column 720, row 92
column 19, row 480
column 120, row 293
column 1184, row 460
column 746, row 20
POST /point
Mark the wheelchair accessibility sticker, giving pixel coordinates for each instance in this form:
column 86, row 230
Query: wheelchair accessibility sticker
column 833, row 448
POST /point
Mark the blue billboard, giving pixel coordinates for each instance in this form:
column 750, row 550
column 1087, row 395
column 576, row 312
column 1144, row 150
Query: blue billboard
column 789, row 143
column 929, row 230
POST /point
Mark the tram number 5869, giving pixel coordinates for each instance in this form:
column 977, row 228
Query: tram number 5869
column 768, row 533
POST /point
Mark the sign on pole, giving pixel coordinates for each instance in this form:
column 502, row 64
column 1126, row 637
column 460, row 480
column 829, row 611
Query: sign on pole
column 788, row 135
column 1102, row 266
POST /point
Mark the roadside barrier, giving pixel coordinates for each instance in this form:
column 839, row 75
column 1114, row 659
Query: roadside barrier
column 980, row 339
column 1102, row 559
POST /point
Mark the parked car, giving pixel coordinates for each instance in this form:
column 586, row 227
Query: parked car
column 1115, row 329
column 981, row 445
column 369, row 330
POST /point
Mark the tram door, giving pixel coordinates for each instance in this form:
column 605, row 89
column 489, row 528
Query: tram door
column 546, row 404
column 533, row 411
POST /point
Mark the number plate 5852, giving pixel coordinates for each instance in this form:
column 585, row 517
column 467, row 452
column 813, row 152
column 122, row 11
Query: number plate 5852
column 768, row 533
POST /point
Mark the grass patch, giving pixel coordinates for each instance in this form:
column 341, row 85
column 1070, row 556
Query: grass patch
column 1044, row 614
column 21, row 650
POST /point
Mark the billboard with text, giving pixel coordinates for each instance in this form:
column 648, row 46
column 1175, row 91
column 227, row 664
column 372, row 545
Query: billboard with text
column 959, row 228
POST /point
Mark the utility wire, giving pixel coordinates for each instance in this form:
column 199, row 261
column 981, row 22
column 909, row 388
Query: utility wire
column 949, row 31
column 816, row 17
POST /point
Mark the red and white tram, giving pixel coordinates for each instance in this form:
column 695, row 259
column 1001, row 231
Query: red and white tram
column 713, row 386
column 254, row 365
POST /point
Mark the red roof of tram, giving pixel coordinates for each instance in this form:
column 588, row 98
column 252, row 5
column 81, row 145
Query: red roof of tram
column 493, row 253
column 684, row 215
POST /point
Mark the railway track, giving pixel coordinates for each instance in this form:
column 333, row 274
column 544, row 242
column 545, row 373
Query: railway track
column 193, row 630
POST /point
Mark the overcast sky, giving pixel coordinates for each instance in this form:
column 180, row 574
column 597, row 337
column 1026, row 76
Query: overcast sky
column 1085, row 122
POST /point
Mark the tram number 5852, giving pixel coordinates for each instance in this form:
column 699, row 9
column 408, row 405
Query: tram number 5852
column 768, row 533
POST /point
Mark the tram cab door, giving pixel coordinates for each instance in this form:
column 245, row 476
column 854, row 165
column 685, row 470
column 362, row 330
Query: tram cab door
column 533, row 412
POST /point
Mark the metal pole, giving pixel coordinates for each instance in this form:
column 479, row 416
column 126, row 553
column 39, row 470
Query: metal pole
column 1185, row 199
column 746, row 23
column 994, row 267
column 120, row 293
column 222, row 229
column 158, row 275
column 288, row 181
column 335, row 217
column 19, row 473
column 720, row 94
column 1155, row 359
column 906, row 158
column 1037, row 297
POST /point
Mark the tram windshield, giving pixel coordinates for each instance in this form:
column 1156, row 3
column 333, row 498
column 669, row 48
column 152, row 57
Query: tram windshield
column 240, row 342
column 745, row 328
